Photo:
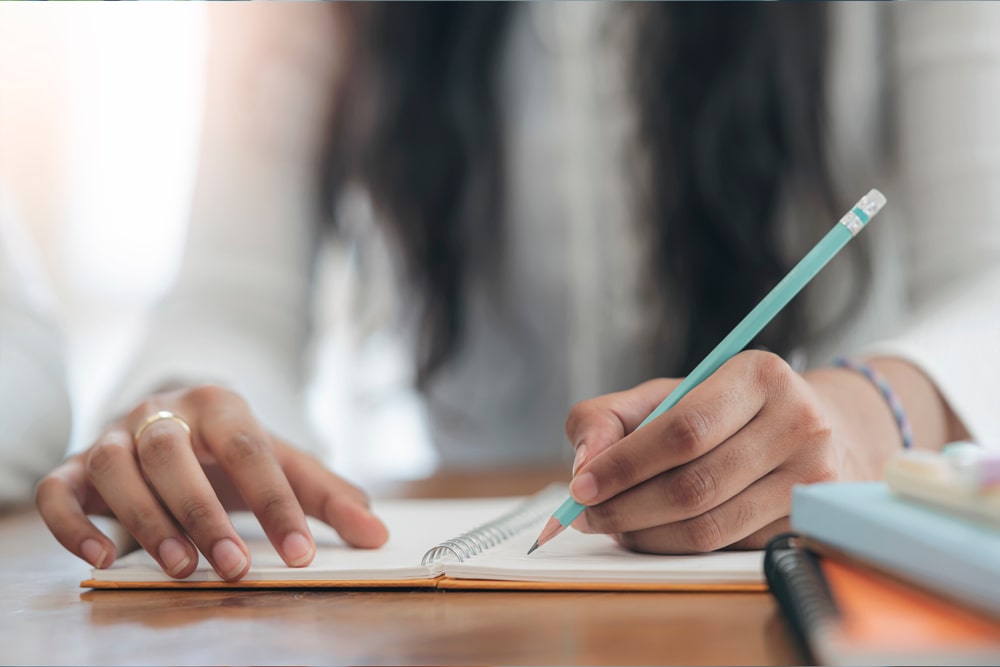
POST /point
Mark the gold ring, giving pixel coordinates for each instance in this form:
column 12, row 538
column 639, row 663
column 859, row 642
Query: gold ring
column 155, row 417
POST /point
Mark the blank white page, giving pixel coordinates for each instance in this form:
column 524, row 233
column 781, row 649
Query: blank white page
column 577, row 557
column 414, row 527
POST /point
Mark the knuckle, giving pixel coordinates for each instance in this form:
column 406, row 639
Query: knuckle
column 577, row 416
column 816, row 426
column 817, row 458
column 823, row 468
column 275, row 505
column 103, row 458
column 158, row 447
column 144, row 408
column 624, row 470
column 47, row 487
column 748, row 516
column 769, row 369
column 197, row 515
column 242, row 448
column 211, row 395
column 703, row 534
column 142, row 520
column 688, row 431
column 694, row 488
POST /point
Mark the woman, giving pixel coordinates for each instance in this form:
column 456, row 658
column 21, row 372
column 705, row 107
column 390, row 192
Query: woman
column 580, row 197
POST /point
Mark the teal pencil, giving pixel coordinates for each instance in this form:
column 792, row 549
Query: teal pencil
column 800, row 275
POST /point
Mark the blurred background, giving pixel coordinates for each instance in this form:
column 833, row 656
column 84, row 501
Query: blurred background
column 87, row 95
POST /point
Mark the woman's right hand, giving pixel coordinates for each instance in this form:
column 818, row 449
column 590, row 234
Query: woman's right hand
column 172, row 490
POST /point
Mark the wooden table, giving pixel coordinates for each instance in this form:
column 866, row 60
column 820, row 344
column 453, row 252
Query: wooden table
column 46, row 618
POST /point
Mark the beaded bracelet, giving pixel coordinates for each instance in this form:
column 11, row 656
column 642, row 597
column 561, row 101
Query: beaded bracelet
column 887, row 393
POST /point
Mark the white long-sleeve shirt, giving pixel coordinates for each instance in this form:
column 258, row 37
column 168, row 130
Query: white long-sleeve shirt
column 914, row 94
column 35, row 414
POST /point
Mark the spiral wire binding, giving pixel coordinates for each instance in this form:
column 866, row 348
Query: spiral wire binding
column 795, row 578
column 492, row 533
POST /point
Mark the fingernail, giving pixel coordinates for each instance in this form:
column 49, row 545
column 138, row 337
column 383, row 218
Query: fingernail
column 94, row 552
column 228, row 558
column 297, row 549
column 174, row 556
column 584, row 487
column 581, row 456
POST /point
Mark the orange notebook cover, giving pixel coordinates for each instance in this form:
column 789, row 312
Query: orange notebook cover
column 459, row 544
column 846, row 613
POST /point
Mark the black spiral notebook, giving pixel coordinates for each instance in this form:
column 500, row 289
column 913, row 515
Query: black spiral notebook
column 794, row 576
column 844, row 613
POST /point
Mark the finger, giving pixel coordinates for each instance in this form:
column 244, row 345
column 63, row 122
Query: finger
column 168, row 462
column 595, row 424
column 59, row 498
column 114, row 472
column 332, row 499
column 762, row 504
column 760, row 538
column 245, row 452
column 693, row 488
column 707, row 416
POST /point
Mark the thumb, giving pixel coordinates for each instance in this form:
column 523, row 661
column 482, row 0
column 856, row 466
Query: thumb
column 598, row 423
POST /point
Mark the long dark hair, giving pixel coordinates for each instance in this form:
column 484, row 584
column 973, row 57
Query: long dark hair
column 730, row 100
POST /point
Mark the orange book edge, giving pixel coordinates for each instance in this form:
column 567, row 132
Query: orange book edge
column 442, row 582
column 886, row 619
column 270, row 584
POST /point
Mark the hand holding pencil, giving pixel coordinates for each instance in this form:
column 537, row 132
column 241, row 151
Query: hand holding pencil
column 715, row 465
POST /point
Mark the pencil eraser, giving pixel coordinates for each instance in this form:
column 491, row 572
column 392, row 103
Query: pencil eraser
column 862, row 212
column 872, row 203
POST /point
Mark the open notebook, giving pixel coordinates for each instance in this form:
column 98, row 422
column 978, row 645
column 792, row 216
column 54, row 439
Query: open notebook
column 460, row 543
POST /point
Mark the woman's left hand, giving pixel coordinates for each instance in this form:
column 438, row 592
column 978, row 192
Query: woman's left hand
column 714, row 471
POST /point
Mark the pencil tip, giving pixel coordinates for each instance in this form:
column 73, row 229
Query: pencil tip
column 533, row 547
column 551, row 529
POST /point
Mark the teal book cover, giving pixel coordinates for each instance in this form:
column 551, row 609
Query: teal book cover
column 956, row 557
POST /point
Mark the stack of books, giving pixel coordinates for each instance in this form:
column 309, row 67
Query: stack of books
column 901, row 571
